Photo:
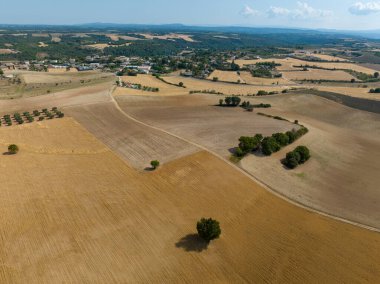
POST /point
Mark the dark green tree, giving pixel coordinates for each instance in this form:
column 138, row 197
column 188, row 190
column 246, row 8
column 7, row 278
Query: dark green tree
column 304, row 153
column 155, row 164
column 13, row 149
column 269, row 145
column 208, row 229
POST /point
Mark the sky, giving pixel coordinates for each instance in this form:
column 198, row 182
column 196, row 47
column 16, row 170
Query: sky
column 331, row 14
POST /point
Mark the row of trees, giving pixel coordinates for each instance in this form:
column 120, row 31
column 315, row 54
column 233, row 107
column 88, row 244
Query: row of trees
column 232, row 101
column 298, row 156
column 375, row 91
column 268, row 145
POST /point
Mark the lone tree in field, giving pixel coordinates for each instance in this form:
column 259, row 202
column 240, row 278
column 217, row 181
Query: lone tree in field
column 13, row 149
column 155, row 164
column 208, row 229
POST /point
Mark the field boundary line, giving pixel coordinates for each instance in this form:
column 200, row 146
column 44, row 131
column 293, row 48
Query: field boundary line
column 244, row 172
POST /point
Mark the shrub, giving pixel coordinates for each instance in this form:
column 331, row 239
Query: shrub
column 269, row 145
column 304, row 154
column 215, row 79
column 208, row 229
column 262, row 93
column 13, row 149
column 155, row 164
column 180, row 84
column 292, row 159
column 297, row 157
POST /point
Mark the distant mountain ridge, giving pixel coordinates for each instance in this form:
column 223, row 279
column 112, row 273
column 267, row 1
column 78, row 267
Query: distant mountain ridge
column 177, row 27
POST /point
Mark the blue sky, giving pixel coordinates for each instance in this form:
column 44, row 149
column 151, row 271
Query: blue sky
column 337, row 14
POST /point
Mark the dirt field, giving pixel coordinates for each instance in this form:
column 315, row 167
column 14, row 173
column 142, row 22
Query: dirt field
column 318, row 74
column 102, row 46
column 226, row 76
column 247, row 77
column 226, row 88
column 169, row 36
column 7, row 51
column 352, row 92
column 94, row 219
column 329, row 57
column 42, row 44
column 135, row 143
column 116, row 37
column 341, row 178
column 289, row 63
column 340, row 137
column 197, row 119
column 150, row 81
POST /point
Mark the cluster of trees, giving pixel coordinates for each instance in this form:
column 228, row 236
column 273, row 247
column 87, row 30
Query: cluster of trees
column 298, row 156
column 140, row 87
column 206, row 92
column 265, row 93
column 262, row 105
column 232, row 101
column 375, row 91
column 265, row 70
column 268, row 145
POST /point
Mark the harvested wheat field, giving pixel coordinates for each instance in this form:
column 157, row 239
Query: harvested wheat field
column 226, row 76
column 117, row 37
column 226, row 88
column 249, row 79
column 339, row 139
column 135, row 143
column 30, row 77
column 92, row 218
column 342, row 176
column 170, row 36
column 7, row 51
column 329, row 57
column 149, row 81
column 245, row 78
column 352, row 92
column 287, row 64
column 197, row 119
column 318, row 74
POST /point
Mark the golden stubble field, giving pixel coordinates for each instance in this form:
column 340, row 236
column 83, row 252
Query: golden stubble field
column 72, row 211
column 340, row 179
column 287, row 64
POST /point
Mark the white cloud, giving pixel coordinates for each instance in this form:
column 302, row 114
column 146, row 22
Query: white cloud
column 248, row 11
column 361, row 8
column 303, row 11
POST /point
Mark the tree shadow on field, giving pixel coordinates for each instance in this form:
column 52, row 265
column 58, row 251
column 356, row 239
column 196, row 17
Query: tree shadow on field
column 149, row 169
column 192, row 242
column 8, row 154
